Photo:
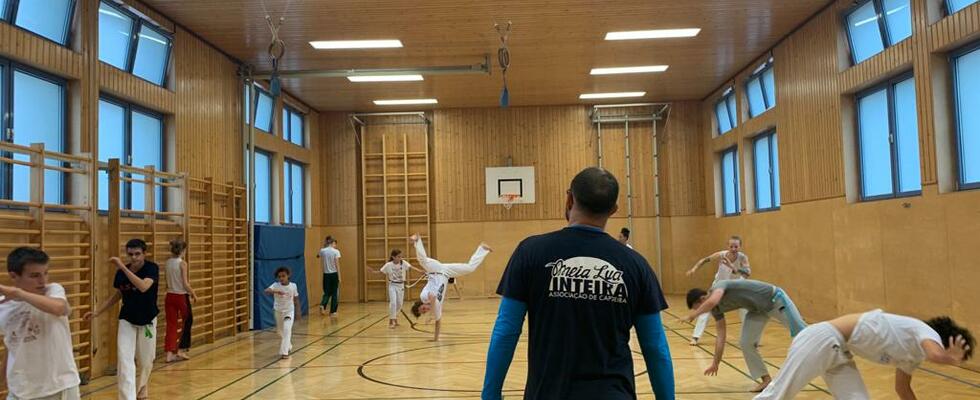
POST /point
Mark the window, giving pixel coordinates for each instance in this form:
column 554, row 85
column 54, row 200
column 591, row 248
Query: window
column 292, row 126
column 729, row 182
column 263, row 113
column 263, row 186
column 133, row 44
column 766, row 172
column 888, row 140
column 953, row 6
column 50, row 19
column 876, row 24
column 294, row 195
column 760, row 88
column 135, row 137
column 37, row 105
column 966, row 77
column 725, row 112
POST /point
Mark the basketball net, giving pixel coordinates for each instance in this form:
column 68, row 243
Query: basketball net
column 509, row 200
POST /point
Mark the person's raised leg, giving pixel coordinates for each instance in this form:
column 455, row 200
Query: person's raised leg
column 752, row 329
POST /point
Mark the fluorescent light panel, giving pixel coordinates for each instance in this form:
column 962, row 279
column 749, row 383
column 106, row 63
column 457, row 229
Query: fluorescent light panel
column 614, row 95
column 405, row 102
column 385, row 78
column 355, row 44
column 653, row 34
column 628, row 70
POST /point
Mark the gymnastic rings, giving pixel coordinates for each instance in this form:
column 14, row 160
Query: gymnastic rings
column 276, row 50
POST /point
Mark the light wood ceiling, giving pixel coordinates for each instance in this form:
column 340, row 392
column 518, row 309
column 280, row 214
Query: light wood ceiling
column 553, row 45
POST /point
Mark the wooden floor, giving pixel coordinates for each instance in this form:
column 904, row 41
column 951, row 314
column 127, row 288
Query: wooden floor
column 357, row 357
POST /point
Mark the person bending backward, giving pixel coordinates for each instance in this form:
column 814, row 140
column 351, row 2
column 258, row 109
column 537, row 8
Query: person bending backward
column 136, row 339
column 828, row 348
column 732, row 264
column 583, row 292
column 762, row 301
column 330, row 260
column 438, row 275
column 34, row 323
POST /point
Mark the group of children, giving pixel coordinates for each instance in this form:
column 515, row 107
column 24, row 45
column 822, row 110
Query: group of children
column 34, row 321
column 824, row 349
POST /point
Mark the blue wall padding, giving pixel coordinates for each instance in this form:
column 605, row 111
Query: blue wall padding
column 277, row 246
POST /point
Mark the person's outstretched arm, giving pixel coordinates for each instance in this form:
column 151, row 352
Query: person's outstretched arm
column 503, row 342
column 656, row 355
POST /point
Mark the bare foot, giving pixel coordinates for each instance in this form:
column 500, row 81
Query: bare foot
column 486, row 246
column 762, row 386
column 323, row 310
column 285, row 356
column 183, row 355
column 694, row 341
column 414, row 238
column 143, row 394
column 333, row 315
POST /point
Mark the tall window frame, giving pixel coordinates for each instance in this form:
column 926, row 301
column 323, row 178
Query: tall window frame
column 137, row 27
column 725, row 108
column 728, row 171
column 765, row 78
column 126, row 191
column 8, row 133
column 250, row 103
column 885, row 34
column 11, row 11
column 290, row 132
column 293, row 215
column 955, row 7
column 264, row 195
column 770, row 142
column 889, row 86
column 963, row 157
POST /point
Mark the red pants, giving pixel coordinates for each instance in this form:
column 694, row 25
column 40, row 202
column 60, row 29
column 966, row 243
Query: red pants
column 178, row 307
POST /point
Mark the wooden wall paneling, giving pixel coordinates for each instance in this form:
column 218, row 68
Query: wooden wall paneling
column 26, row 47
column 682, row 167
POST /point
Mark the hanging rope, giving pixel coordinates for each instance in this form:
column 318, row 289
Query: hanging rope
column 503, row 59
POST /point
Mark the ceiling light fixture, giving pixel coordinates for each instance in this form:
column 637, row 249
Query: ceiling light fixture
column 614, row 95
column 653, row 34
column 405, row 102
column 628, row 70
column 385, row 78
column 355, row 44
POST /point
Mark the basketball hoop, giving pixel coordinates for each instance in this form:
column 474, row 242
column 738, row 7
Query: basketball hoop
column 508, row 200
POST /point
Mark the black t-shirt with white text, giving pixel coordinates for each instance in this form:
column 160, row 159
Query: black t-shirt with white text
column 584, row 290
column 139, row 308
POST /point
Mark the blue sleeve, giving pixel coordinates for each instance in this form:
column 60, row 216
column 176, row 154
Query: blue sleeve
column 503, row 342
column 656, row 354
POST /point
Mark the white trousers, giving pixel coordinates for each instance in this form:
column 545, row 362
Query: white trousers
column 818, row 350
column 453, row 270
column 284, row 327
column 136, row 346
column 396, row 298
column 67, row 394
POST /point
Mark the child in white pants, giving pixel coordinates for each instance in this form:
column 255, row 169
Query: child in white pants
column 285, row 306
column 439, row 273
column 732, row 264
column 136, row 337
column 828, row 348
column 395, row 269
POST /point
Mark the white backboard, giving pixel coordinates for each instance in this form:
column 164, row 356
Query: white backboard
column 510, row 180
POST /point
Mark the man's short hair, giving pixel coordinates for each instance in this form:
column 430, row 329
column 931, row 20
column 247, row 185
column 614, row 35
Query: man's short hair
column 136, row 244
column 693, row 296
column 947, row 328
column 595, row 191
column 625, row 232
column 21, row 256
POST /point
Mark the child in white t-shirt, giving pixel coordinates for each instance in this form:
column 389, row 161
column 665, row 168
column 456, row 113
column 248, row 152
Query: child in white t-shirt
column 285, row 306
column 34, row 322
column 396, row 269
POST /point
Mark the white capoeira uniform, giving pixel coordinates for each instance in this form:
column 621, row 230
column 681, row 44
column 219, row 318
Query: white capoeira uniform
column 820, row 349
column 741, row 263
column 285, row 311
column 438, row 274
column 396, row 286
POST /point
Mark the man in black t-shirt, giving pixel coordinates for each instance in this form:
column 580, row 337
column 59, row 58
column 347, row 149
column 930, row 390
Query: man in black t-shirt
column 582, row 291
column 137, row 284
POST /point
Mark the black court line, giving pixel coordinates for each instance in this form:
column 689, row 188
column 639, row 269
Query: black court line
column 360, row 372
column 254, row 392
column 700, row 346
column 234, row 339
column 255, row 371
